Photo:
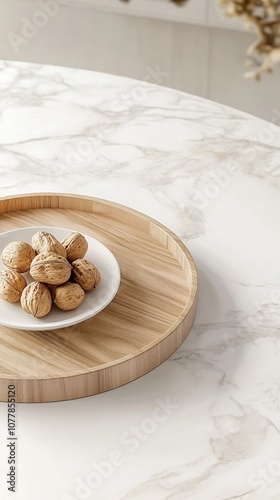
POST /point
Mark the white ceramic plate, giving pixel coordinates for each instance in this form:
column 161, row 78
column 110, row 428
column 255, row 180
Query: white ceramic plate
column 12, row 315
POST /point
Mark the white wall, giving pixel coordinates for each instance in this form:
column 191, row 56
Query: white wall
column 199, row 59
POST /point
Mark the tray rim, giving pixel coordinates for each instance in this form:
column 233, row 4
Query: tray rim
column 189, row 305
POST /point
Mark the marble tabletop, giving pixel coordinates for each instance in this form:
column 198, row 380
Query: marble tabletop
column 212, row 175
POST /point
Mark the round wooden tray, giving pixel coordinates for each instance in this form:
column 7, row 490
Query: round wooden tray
column 146, row 322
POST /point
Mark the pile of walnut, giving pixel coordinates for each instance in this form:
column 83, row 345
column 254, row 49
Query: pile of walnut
column 61, row 273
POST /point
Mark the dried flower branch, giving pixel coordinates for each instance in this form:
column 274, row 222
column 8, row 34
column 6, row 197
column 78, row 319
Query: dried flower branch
column 264, row 15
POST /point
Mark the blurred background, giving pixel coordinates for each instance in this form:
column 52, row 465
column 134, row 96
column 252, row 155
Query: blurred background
column 197, row 48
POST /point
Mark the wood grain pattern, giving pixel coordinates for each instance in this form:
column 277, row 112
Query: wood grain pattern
column 148, row 319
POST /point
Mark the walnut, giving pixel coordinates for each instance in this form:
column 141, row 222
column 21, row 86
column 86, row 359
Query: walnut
column 75, row 245
column 43, row 242
column 50, row 268
column 11, row 285
column 18, row 256
column 85, row 274
column 68, row 296
column 36, row 299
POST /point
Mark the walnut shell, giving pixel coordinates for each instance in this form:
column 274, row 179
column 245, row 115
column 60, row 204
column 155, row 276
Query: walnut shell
column 68, row 296
column 75, row 245
column 18, row 256
column 43, row 242
column 11, row 285
column 85, row 274
column 36, row 299
column 50, row 268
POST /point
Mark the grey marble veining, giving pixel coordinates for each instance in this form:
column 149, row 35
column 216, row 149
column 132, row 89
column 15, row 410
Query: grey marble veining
column 211, row 174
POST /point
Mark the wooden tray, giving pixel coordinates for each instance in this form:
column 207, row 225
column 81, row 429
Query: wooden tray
column 146, row 322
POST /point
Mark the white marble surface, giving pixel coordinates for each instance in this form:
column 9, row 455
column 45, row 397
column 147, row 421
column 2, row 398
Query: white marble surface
column 212, row 175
